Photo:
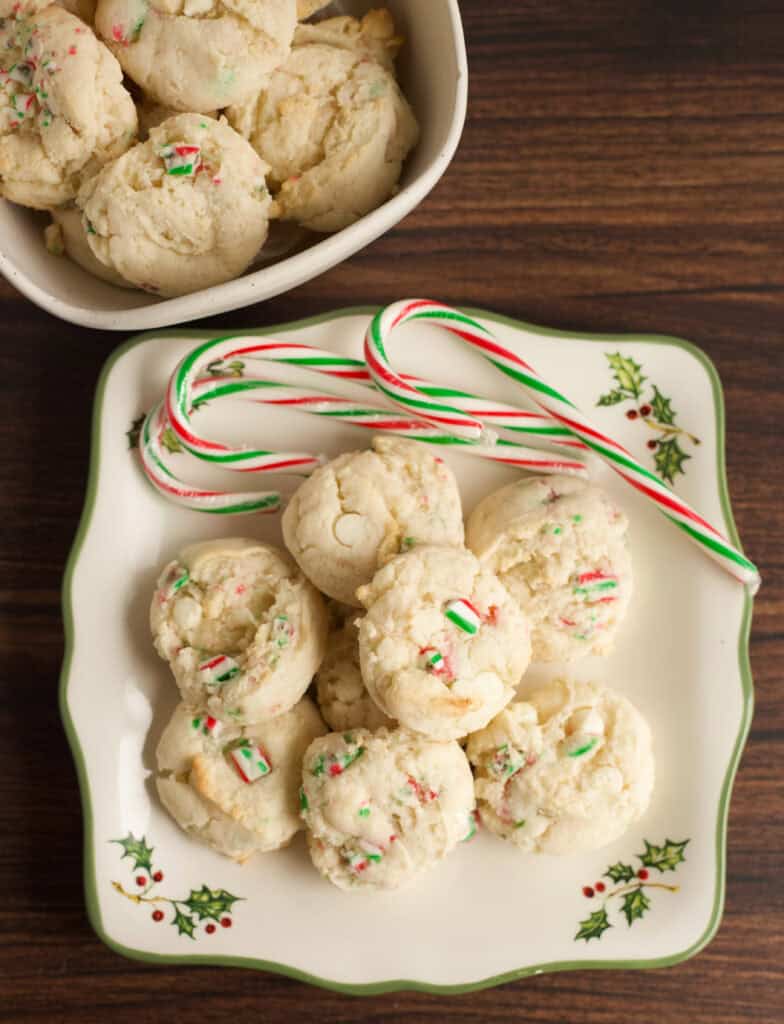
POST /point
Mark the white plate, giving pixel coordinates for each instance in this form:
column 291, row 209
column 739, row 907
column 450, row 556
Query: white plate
column 488, row 913
column 434, row 77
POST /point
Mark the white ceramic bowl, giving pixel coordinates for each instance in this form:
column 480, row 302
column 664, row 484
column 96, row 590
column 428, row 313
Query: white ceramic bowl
column 434, row 77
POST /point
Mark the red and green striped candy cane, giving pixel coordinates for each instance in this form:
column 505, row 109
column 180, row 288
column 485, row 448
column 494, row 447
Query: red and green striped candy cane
column 172, row 579
column 179, row 406
column 250, row 761
column 373, row 418
column 596, row 587
column 330, row 364
column 197, row 498
column 207, row 725
column 180, row 159
column 464, row 615
column 552, row 402
column 187, row 390
column 360, row 860
column 218, row 670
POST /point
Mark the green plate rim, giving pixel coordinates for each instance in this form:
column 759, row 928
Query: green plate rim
column 378, row 988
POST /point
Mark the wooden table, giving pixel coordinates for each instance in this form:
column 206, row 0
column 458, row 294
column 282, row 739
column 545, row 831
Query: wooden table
column 621, row 169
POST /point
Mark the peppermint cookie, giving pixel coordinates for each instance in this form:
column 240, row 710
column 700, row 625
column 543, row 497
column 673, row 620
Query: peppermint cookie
column 66, row 236
column 63, row 109
column 235, row 788
column 568, row 770
column 382, row 807
column 372, row 37
column 363, row 508
column 443, row 646
column 242, row 629
column 185, row 210
column 335, row 129
column 198, row 54
column 342, row 695
column 559, row 547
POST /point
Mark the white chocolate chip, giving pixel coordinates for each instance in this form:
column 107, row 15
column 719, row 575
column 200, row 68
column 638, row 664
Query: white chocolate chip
column 187, row 612
column 586, row 720
column 351, row 529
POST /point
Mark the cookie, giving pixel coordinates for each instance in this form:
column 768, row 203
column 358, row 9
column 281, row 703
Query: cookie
column 372, row 37
column 341, row 693
column 334, row 128
column 567, row 770
column 66, row 236
column 363, row 508
column 559, row 546
column 443, row 646
column 241, row 628
column 64, row 111
column 236, row 788
column 185, row 210
column 198, row 55
column 381, row 808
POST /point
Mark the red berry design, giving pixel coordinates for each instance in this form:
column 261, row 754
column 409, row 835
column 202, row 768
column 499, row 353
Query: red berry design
column 157, row 915
column 653, row 444
column 225, row 922
column 141, row 880
column 642, row 873
column 645, row 410
column 632, row 414
column 210, row 929
column 158, row 876
column 588, row 891
column 600, row 887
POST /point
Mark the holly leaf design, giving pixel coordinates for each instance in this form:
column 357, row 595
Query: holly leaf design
column 184, row 924
column 210, row 903
column 620, row 872
column 662, row 408
column 612, row 398
column 663, row 858
column 594, row 926
column 628, row 373
column 635, row 903
column 170, row 441
column 669, row 459
column 135, row 430
column 137, row 850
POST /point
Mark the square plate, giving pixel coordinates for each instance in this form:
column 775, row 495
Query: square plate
column 682, row 658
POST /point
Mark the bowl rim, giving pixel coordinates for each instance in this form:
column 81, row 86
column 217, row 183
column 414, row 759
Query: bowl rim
column 277, row 278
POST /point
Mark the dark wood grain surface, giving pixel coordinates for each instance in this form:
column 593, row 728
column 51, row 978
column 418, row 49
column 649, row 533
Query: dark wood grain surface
column 622, row 168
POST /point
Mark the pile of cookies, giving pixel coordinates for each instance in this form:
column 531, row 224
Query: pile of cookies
column 418, row 631
column 165, row 135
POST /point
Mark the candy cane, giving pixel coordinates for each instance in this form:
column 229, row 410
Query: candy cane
column 328, row 363
column 171, row 487
column 330, row 406
column 552, row 402
column 462, row 614
column 250, row 761
column 218, row 670
column 186, row 392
